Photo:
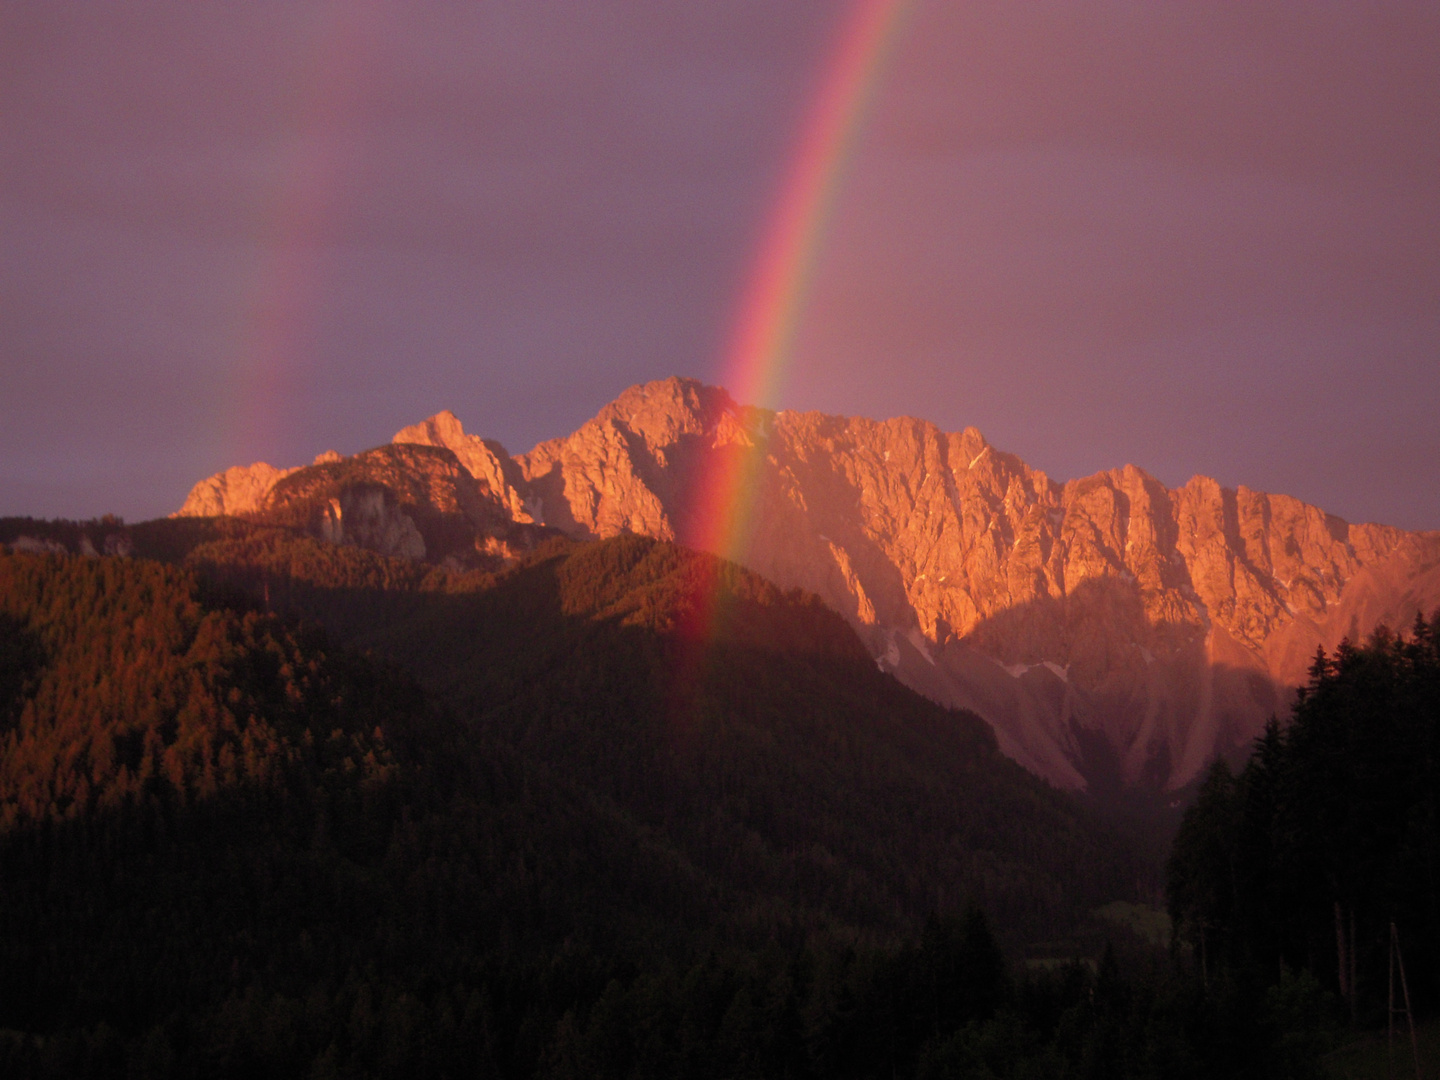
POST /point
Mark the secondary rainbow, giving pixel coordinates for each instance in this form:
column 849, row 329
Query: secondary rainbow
column 773, row 301
column 284, row 295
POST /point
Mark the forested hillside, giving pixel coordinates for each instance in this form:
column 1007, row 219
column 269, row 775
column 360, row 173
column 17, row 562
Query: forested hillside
column 764, row 744
column 272, row 804
column 227, row 844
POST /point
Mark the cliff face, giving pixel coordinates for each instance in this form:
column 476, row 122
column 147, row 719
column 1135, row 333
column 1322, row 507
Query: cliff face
column 633, row 468
column 1112, row 630
column 238, row 490
column 485, row 460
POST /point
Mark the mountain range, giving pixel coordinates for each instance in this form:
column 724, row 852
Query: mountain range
column 1114, row 632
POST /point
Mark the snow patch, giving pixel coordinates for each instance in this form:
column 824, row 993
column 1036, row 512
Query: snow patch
column 977, row 457
column 1061, row 673
column 921, row 645
column 892, row 651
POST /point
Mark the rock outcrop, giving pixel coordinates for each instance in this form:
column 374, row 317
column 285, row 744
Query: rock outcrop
column 240, row 489
column 1111, row 629
column 485, row 460
column 366, row 519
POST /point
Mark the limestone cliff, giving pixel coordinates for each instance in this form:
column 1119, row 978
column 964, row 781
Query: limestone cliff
column 633, row 467
column 485, row 460
column 1111, row 629
column 240, row 489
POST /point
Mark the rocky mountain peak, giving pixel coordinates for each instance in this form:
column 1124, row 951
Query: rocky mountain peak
column 240, row 489
column 662, row 412
column 1111, row 629
column 485, row 459
column 630, row 468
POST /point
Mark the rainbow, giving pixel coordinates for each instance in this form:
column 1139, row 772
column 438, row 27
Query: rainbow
column 774, row 297
column 277, row 320
column 760, row 345
column 276, row 323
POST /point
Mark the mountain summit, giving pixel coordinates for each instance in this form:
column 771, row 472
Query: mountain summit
column 1113, row 631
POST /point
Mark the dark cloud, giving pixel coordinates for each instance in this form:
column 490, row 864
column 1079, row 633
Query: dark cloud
column 1199, row 237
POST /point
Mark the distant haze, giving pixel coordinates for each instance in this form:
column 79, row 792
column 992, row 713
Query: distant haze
column 1202, row 238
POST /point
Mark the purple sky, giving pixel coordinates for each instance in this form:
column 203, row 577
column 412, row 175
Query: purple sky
column 1196, row 237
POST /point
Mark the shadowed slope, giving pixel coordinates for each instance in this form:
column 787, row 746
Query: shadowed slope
column 772, row 753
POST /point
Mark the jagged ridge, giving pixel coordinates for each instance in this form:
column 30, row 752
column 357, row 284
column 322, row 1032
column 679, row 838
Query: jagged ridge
column 1112, row 630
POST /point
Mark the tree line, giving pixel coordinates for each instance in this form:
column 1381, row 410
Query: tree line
column 1329, row 834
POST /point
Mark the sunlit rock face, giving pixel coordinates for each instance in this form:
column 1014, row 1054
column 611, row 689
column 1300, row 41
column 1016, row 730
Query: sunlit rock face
column 364, row 519
column 240, row 489
column 633, row 467
column 1113, row 631
column 484, row 459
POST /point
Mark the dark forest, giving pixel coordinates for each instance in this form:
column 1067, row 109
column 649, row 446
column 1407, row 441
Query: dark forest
column 273, row 805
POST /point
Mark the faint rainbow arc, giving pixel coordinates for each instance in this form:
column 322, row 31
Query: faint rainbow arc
column 773, row 301
column 285, row 285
